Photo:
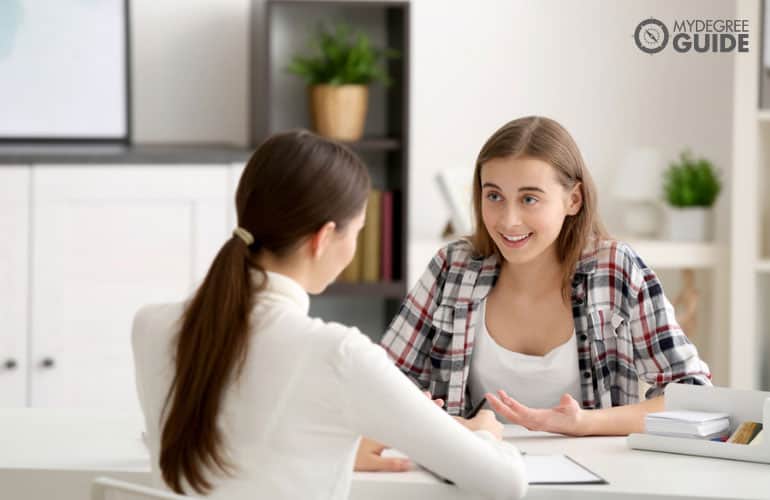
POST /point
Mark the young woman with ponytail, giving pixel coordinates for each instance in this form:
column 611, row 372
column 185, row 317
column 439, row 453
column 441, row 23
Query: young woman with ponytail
column 246, row 396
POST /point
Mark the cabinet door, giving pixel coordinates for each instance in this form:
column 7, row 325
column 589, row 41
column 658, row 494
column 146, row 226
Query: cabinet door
column 108, row 239
column 14, row 269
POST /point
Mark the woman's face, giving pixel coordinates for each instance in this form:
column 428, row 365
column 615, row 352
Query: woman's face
column 523, row 206
column 339, row 252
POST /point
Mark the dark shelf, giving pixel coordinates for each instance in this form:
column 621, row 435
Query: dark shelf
column 386, row 289
column 345, row 3
column 84, row 153
column 375, row 144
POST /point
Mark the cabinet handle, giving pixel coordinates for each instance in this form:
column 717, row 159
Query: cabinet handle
column 47, row 363
column 10, row 364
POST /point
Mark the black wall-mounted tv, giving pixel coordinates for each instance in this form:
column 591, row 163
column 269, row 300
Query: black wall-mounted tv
column 64, row 70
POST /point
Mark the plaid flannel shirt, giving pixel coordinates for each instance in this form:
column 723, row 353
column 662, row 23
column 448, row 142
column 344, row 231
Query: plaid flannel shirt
column 624, row 324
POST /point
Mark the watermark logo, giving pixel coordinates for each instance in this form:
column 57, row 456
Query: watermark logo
column 693, row 35
column 651, row 36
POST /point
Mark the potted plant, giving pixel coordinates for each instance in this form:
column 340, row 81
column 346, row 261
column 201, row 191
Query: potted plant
column 691, row 187
column 338, row 75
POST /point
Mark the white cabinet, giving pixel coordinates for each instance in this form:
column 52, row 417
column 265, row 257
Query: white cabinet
column 14, row 238
column 105, row 240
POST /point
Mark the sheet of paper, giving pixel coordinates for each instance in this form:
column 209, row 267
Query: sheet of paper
column 557, row 469
column 515, row 431
column 687, row 416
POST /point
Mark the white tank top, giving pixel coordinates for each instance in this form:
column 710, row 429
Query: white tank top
column 534, row 381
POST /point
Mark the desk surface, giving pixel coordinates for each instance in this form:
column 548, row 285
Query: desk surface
column 83, row 444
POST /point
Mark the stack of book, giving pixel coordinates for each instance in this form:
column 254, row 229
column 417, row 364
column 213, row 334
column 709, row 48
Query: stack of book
column 377, row 255
column 688, row 424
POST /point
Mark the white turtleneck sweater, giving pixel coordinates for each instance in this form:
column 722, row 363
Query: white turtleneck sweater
column 308, row 391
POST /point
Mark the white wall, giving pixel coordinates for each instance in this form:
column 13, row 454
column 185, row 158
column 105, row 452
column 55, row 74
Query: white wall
column 479, row 64
column 475, row 65
column 190, row 71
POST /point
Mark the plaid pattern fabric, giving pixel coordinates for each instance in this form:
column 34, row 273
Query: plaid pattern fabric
column 624, row 324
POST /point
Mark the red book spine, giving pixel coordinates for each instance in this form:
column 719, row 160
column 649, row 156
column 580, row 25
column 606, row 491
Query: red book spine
column 387, row 236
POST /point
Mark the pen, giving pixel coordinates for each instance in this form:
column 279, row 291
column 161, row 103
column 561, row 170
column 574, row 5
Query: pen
column 476, row 408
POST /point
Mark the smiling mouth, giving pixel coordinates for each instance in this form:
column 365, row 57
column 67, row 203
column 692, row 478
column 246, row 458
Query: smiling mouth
column 516, row 240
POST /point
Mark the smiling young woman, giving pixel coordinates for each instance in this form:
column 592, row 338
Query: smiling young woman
column 540, row 312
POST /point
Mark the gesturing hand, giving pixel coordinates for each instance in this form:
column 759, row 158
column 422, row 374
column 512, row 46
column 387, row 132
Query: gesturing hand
column 565, row 418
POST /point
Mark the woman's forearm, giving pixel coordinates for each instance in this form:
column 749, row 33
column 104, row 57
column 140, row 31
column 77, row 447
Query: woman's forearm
column 619, row 420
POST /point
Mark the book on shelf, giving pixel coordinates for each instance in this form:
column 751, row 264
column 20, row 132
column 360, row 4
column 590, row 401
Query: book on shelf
column 377, row 256
column 399, row 233
column 745, row 433
column 386, row 248
column 370, row 251
column 696, row 424
column 352, row 273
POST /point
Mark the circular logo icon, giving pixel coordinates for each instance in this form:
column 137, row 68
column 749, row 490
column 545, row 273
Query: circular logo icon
column 651, row 36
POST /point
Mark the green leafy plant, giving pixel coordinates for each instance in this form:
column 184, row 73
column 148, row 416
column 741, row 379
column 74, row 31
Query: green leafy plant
column 691, row 182
column 342, row 56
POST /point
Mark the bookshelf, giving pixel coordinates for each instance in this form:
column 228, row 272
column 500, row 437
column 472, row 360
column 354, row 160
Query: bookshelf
column 287, row 26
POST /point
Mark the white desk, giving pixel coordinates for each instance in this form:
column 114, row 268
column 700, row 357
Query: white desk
column 53, row 454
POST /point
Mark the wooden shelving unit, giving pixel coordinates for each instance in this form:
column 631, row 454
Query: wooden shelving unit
column 388, row 290
column 368, row 144
column 385, row 148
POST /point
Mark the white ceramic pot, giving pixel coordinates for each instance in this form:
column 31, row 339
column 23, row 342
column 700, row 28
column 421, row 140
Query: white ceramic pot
column 689, row 224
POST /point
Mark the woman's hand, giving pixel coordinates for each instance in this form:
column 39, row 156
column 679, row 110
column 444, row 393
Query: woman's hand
column 369, row 458
column 483, row 421
column 566, row 418
column 439, row 402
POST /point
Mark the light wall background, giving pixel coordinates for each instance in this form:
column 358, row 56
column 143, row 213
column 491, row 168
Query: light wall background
column 475, row 65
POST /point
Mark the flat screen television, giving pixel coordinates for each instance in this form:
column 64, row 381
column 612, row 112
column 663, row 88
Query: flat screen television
column 64, row 70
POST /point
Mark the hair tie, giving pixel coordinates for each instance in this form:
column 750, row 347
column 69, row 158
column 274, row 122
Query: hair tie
column 244, row 235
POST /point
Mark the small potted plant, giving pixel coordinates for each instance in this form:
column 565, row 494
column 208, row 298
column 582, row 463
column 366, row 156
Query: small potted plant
column 338, row 75
column 691, row 187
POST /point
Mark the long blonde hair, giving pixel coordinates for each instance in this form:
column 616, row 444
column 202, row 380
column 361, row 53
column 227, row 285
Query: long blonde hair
column 544, row 139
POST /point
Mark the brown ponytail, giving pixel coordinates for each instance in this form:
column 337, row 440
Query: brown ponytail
column 292, row 185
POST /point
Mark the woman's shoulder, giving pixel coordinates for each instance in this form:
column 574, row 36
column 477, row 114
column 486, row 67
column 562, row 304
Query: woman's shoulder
column 615, row 257
column 460, row 272
column 153, row 329
column 342, row 346
column 458, row 253
column 459, row 257
column 326, row 335
column 152, row 318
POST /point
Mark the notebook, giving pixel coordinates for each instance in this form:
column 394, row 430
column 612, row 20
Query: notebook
column 558, row 469
column 687, row 423
column 541, row 469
